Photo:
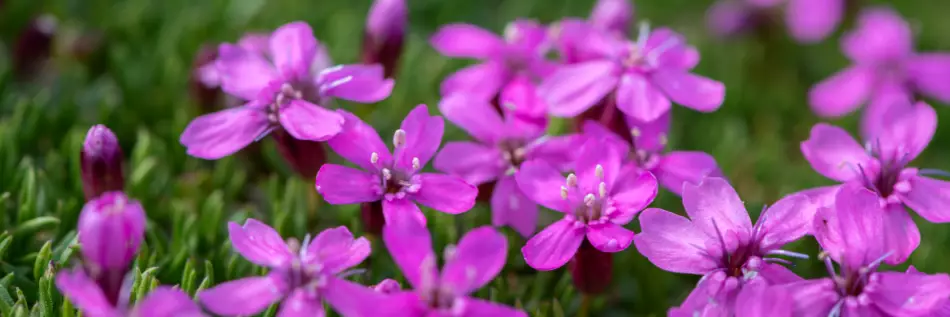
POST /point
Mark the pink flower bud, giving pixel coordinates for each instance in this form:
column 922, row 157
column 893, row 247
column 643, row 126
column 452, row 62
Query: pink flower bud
column 385, row 34
column 111, row 228
column 101, row 162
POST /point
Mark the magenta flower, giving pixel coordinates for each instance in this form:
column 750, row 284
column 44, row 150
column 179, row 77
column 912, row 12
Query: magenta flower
column 758, row 298
column 100, row 162
column 395, row 179
column 881, row 166
column 503, row 144
column 385, row 33
column 281, row 89
column 643, row 76
column 301, row 275
column 478, row 258
column 850, row 233
column 83, row 292
column 808, row 21
column 519, row 53
column 596, row 201
column 719, row 242
column 111, row 228
column 612, row 15
column 647, row 150
column 883, row 57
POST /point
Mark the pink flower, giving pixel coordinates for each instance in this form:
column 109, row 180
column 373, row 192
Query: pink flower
column 503, row 144
column 808, row 21
column 881, row 166
column 281, row 89
column 647, row 151
column 719, row 242
column 111, row 229
column 881, row 49
column 597, row 201
column 397, row 178
column 850, row 231
column 301, row 275
column 520, row 54
column 612, row 15
column 163, row 301
column 642, row 76
column 384, row 34
column 100, row 162
column 478, row 258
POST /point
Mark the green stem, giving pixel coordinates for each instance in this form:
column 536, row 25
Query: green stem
column 585, row 306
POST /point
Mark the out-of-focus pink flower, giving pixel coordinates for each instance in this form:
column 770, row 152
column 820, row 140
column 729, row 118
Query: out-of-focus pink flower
column 850, row 232
column 385, row 34
column 163, row 301
column 597, row 201
column 881, row 167
column 396, row 179
column 111, row 228
column 612, row 15
column 281, row 89
column 504, row 142
column 100, row 162
column 33, row 46
column 719, row 241
column 881, row 49
column 647, row 149
column 642, row 76
column 808, row 21
column 478, row 258
column 301, row 275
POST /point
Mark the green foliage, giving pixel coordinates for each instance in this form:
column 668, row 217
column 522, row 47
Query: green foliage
column 136, row 83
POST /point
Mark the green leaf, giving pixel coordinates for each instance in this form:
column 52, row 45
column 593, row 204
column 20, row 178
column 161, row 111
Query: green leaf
column 34, row 225
column 46, row 294
column 42, row 260
column 4, row 245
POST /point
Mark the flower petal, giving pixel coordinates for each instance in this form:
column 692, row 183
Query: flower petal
column 594, row 130
column 301, row 303
column 558, row 151
column 639, row 98
column 673, row 243
column 596, row 153
column 909, row 294
column 760, row 300
column 292, row 47
column 634, row 190
column 336, row 250
column 480, row 80
column 351, row 299
column 692, row 91
column 473, row 162
column 466, row 40
column 423, row 135
column 554, row 246
column 889, row 98
column 446, row 193
column 165, row 301
column 650, row 136
column 216, row 135
column 520, row 95
column 574, row 88
column 834, row 153
column 929, row 198
column 811, row 21
column 900, row 233
column 929, row 72
column 478, row 307
column 260, row 244
column 243, row 73
column 685, row 167
column 474, row 115
column 357, row 142
column 542, row 183
column 880, row 35
column 787, row 220
column 479, row 257
column 402, row 213
column 813, row 297
column 715, row 207
column 907, row 131
column 341, row 185
column 777, row 274
column 679, row 55
column 842, row 92
column 411, row 249
column 247, row 296
column 510, row 207
column 852, row 231
column 358, row 83
column 307, row 121
column 609, row 237
column 83, row 292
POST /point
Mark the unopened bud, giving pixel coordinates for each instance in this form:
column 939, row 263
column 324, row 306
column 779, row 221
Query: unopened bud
column 385, row 33
column 372, row 216
column 591, row 269
column 33, row 46
column 305, row 157
column 100, row 162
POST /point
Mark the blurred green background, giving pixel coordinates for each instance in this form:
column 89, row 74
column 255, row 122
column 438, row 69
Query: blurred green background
column 126, row 64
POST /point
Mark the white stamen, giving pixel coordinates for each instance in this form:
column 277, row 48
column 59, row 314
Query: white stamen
column 563, row 192
column 449, row 252
column 599, row 171
column 589, row 200
column 509, row 105
column 427, row 266
column 520, row 152
column 635, row 132
column 415, row 163
column 374, row 158
column 663, row 139
column 399, row 138
column 643, row 34
column 387, row 175
column 511, row 33
column 571, row 180
column 602, row 189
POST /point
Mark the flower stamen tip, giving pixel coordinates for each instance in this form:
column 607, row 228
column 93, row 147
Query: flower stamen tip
column 399, row 138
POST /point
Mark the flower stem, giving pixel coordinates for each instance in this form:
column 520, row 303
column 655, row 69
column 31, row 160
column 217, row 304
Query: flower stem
column 585, row 306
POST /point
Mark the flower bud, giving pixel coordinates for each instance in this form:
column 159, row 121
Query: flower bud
column 33, row 46
column 372, row 215
column 111, row 228
column 305, row 157
column 205, row 80
column 612, row 15
column 387, row 286
column 101, row 162
column 591, row 269
column 606, row 114
column 385, row 34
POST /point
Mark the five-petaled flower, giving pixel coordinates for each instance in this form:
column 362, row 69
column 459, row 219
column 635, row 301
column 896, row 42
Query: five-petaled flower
column 396, row 179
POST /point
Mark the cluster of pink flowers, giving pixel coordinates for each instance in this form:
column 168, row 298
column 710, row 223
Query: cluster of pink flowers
column 619, row 92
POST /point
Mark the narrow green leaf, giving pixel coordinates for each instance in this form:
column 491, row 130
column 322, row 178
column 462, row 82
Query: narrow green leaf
column 6, row 301
column 34, row 225
column 46, row 295
column 205, row 284
column 42, row 260
column 67, row 309
column 4, row 245
column 188, row 277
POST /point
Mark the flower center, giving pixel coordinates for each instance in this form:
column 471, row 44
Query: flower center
column 395, row 181
column 300, row 274
column 282, row 95
column 637, row 56
column 513, row 152
column 586, row 206
column 885, row 179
